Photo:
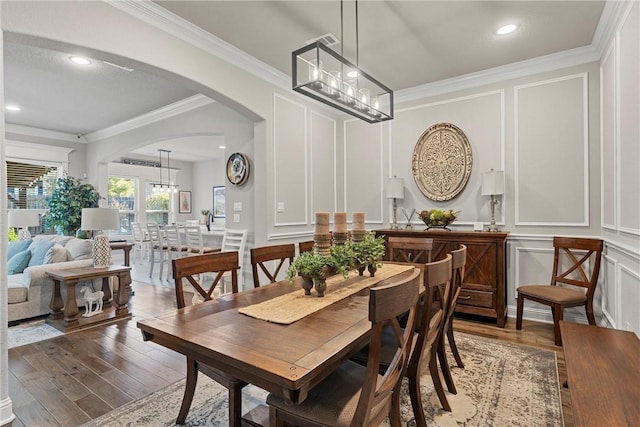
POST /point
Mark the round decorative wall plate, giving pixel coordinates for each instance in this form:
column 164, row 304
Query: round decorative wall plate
column 442, row 161
column 237, row 168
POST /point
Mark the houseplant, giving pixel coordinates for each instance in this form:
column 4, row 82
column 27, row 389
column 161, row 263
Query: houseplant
column 66, row 203
column 313, row 268
column 368, row 253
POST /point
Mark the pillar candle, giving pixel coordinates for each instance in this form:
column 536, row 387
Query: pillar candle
column 340, row 222
column 358, row 221
column 322, row 222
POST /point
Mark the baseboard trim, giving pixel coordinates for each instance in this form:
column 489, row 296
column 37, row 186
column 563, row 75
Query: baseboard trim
column 6, row 412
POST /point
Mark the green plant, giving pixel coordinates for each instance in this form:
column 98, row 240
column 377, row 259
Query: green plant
column 342, row 258
column 205, row 212
column 12, row 234
column 66, row 203
column 370, row 250
column 309, row 264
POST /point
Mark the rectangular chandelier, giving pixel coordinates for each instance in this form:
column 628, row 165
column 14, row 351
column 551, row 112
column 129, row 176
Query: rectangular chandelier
column 322, row 74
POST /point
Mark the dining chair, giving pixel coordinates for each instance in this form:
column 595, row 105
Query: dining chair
column 262, row 255
column 141, row 242
column 355, row 395
column 306, row 246
column 175, row 248
column 458, row 261
column 235, row 240
column 195, row 242
column 410, row 249
column 188, row 268
column 573, row 257
column 158, row 247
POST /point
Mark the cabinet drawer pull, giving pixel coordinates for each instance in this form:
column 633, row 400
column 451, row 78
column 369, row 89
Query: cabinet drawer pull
column 464, row 297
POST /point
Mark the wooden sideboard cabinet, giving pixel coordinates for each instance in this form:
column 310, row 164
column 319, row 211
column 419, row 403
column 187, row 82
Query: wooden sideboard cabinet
column 484, row 289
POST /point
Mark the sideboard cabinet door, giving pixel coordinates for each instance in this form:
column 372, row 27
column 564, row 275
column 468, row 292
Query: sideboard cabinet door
column 484, row 289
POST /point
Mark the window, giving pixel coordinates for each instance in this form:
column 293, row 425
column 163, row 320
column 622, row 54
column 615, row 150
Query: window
column 122, row 196
column 29, row 185
column 156, row 205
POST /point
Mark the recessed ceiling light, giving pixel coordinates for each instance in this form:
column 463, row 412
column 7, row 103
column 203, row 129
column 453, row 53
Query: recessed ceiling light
column 12, row 107
column 80, row 60
column 506, row 29
column 222, row 147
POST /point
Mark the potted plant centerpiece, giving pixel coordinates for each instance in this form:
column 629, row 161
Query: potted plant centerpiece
column 368, row 253
column 313, row 268
column 66, row 203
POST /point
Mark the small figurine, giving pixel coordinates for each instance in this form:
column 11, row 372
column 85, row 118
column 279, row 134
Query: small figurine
column 90, row 298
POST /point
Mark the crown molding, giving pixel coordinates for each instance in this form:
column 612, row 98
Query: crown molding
column 168, row 111
column 161, row 18
column 43, row 133
column 608, row 24
column 40, row 147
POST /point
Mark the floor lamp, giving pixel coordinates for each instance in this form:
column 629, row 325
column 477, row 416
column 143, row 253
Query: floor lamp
column 23, row 219
column 98, row 220
column 493, row 185
column 395, row 191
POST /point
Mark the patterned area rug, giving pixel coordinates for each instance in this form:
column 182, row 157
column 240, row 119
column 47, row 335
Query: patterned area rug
column 501, row 385
column 28, row 333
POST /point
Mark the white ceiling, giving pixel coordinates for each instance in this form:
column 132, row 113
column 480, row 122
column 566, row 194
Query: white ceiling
column 403, row 44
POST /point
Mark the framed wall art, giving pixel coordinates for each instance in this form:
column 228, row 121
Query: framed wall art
column 184, row 202
column 218, row 202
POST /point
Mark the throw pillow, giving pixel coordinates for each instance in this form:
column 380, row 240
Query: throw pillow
column 18, row 262
column 39, row 249
column 57, row 253
column 17, row 246
column 78, row 249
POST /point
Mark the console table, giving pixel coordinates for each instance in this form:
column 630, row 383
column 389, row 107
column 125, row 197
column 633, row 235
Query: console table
column 65, row 317
column 485, row 287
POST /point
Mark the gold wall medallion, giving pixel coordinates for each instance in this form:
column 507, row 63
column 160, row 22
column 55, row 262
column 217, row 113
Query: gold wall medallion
column 442, row 161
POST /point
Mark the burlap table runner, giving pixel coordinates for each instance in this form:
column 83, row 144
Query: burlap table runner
column 295, row 305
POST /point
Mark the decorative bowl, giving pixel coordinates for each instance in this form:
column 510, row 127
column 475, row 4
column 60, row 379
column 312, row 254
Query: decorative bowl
column 438, row 217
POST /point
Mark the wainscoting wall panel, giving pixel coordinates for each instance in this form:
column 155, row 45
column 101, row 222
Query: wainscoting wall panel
column 629, row 298
column 481, row 116
column 323, row 165
column 290, row 162
column 551, row 141
column 363, row 170
column 629, row 111
column 610, row 297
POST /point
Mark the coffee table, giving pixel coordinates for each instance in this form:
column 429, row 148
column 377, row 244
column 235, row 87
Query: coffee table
column 65, row 317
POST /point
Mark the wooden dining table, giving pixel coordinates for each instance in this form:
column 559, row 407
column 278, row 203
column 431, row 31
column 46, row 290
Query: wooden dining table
column 287, row 360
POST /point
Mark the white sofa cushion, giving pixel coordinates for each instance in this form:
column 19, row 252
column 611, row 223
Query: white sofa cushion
column 78, row 249
column 57, row 253
column 18, row 291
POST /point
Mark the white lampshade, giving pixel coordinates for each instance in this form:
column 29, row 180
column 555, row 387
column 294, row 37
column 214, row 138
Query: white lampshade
column 395, row 188
column 22, row 218
column 100, row 219
column 493, row 183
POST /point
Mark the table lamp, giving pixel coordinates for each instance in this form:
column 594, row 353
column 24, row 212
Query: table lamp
column 98, row 220
column 493, row 185
column 23, row 219
column 395, row 191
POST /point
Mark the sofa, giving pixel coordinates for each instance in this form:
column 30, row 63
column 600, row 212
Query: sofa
column 29, row 288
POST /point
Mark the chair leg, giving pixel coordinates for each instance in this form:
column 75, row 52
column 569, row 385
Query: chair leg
column 589, row 310
column 437, row 384
column 454, row 347
column 416, row 399
column 519, row 312
column 189, row 390
column 152, row 262
column 394, row 415
column 557, row 317
column 444, row 366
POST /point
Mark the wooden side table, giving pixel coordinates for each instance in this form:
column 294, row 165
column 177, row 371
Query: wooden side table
column 125, row 247
column 65, row 317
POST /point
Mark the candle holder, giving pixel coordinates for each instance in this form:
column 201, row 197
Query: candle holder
column 322, row 243
column 358, row 235
column 340, row 238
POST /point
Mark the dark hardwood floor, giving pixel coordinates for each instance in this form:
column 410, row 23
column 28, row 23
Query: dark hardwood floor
column 67, row 381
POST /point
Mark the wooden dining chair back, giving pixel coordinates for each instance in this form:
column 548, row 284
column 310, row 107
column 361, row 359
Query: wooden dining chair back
column 193, row 267
column 410, row 249
column 157, row 247
column 576, row 262
column 355, row 395
column 458, row 262
column 437, row 280
column 306, row 246
column 189, row 268
column 262, row 255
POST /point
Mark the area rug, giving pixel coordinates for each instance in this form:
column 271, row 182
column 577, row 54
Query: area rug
column 501, row 385
column 30, row 332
